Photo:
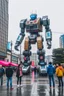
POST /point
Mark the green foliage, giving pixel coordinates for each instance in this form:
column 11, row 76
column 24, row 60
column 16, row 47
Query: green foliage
column 58, row 55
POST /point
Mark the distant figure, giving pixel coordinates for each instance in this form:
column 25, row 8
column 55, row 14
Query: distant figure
column 51, row 72
column 9, row 74
column 59, row 73
column 56, row 65
column 1, row 74
column 35, row 70
column 19, row 74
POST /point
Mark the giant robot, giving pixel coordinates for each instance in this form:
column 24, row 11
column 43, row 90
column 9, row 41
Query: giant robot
column 34, row 26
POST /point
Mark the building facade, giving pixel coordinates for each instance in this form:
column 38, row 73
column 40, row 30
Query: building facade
column 15, row 57
column 62, row 41
column 3, row 28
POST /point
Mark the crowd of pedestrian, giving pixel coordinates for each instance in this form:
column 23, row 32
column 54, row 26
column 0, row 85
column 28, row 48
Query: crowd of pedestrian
column 52, row 71
column 58, row 71
column 9, row 75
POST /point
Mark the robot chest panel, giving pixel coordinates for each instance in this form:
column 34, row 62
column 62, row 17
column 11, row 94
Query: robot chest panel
column 33, row 26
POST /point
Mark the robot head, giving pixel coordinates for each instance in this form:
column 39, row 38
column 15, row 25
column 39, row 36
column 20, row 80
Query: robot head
column 33, row 16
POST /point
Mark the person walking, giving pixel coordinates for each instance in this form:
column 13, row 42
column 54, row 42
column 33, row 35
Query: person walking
column 1, row 74
column 19, row 74
column 59, row 73
column 51, row 72
column 9, row 74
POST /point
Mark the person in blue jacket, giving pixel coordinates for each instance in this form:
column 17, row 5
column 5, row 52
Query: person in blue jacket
column 51, row 72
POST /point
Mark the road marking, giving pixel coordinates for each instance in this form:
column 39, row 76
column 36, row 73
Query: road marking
column 34, row 89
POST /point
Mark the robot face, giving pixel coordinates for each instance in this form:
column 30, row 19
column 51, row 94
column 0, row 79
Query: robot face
column 33, row 16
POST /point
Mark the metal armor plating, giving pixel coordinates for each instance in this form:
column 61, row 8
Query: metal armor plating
column 34, row 27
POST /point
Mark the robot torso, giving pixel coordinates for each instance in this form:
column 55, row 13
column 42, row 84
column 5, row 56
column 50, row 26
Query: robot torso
column 33, row 26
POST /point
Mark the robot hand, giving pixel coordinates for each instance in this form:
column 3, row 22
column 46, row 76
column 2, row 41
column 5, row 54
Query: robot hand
column 19, row 41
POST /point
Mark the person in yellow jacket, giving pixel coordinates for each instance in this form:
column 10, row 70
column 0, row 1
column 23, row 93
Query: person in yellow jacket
column 59, row 73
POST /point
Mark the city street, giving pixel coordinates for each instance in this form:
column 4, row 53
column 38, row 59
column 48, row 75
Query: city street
column 31, row 86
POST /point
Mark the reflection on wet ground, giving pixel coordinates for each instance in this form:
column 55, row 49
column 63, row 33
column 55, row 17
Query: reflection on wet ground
column 41, row 90
column 52, row 92
column 38, row 87
column 60, row 91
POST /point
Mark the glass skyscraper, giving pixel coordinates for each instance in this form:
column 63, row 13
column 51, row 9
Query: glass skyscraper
column 3, row 28
column 62, row 41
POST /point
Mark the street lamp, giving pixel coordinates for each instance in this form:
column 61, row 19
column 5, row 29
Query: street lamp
column 11, row 50
column 20, row 53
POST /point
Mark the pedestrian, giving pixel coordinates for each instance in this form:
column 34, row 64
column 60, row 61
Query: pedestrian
column 9, row 74
column 59, row 73
column 51, row 72
column 56, row 65
column 1, row 74
column 35, row 71
column 19, row 74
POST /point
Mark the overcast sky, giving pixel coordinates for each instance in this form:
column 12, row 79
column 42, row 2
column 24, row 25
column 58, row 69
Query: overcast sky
column 21, row 9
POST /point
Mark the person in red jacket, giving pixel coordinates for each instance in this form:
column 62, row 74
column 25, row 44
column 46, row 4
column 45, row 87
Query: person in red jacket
column 19, row 74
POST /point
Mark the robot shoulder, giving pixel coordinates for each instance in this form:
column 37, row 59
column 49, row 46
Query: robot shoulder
column 22, row 23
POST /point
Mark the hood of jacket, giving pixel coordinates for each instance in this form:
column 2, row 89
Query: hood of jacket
column 60, row 67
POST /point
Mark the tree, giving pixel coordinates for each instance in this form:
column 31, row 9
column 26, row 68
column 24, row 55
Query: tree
column 58, row 55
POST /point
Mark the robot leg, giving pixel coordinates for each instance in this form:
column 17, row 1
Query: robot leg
column 40, row 52
column 27, row 52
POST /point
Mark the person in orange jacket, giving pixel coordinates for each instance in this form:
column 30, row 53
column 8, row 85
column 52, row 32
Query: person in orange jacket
column 59, row 73
column 63, row 69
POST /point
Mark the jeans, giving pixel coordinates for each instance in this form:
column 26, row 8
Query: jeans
column 1, row 80
column 19, row 79
column 9, row 79
column 51, row 80
column 60, row 79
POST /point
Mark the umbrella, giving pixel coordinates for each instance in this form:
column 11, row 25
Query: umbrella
column 4, row 63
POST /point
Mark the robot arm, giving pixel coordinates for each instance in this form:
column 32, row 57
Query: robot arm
column 48, row 34
column 21, row 35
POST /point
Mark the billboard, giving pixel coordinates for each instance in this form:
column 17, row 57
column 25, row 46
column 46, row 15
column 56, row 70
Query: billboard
column 9, row 46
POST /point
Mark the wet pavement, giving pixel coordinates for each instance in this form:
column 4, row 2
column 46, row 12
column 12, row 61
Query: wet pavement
column 38, row 86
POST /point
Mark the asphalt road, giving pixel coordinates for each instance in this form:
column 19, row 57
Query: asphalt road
column 32, row 86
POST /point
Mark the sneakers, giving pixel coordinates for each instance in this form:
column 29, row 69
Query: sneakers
column 7, row 88
column 11, row 88
column 17, row 85
column 50, row 87
column 21, row 85
column 53, row 87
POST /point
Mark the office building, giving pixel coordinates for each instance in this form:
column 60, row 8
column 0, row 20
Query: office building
column 3, row 28
column 62, row 41
column 15, row 57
